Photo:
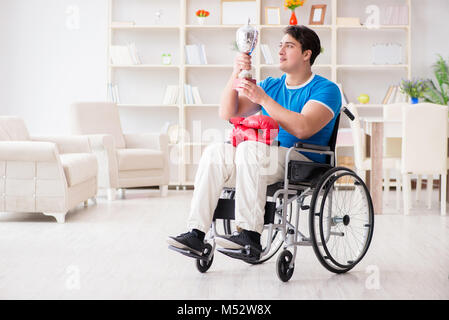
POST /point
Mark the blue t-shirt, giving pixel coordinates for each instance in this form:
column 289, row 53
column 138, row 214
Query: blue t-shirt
column 294, row 98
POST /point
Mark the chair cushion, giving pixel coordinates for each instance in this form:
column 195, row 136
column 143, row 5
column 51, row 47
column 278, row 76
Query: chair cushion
column 138, row 159
column 13, row 129
column 79, row 167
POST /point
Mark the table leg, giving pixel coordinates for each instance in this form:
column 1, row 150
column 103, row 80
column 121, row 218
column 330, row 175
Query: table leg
column 376, row 174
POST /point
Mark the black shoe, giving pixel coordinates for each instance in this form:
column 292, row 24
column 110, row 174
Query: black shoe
column 241, row 240
column 189, row 241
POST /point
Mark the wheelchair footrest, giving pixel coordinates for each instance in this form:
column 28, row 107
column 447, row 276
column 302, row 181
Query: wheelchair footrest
column 247, row 253
column 188, row 253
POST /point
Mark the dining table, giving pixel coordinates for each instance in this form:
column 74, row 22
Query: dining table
column 377, row 128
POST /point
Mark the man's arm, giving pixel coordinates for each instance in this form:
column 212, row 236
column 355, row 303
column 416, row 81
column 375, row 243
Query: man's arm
column 313, row 117
column 232, row 104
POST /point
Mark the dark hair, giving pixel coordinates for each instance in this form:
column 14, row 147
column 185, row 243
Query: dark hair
column 308, row 39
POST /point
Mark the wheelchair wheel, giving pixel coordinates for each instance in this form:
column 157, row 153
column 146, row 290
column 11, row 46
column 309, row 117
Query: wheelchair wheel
column 283, row 269
column 203, row 265
column 341, row 220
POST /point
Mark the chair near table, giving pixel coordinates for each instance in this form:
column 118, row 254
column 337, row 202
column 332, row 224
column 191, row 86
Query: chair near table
column 424, row 147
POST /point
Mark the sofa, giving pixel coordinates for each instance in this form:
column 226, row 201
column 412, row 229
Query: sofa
column 51, row 175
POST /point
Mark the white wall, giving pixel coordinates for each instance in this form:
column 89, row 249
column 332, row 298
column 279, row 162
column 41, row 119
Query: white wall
column 430, row 23
column 44, row 66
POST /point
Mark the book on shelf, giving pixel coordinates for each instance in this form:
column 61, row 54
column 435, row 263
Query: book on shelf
column 134, row 53
column 124, row 55
column 395, row 15
column 401, row 97
column 388, row 95
column 394, row 92
column 113, row 93
column 196, row 95
column 267, row 54
column 394, row 95
column 195, row 54
column 171, row 95
column 188, row 95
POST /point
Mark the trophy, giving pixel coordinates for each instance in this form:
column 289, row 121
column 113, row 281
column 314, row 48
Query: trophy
column 246, row 39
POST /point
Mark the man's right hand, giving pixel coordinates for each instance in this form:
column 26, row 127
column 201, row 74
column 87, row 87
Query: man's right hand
column 242, row 61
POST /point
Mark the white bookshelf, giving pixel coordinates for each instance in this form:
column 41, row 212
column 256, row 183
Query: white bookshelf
column 344, row 60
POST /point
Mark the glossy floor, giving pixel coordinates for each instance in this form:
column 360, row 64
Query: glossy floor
column 118, row 250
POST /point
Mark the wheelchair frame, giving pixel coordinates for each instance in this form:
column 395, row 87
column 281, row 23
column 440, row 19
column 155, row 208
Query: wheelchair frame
column 285, row 226
column 292, row 237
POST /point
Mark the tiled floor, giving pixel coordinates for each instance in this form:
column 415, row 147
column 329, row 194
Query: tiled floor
column 117, row 250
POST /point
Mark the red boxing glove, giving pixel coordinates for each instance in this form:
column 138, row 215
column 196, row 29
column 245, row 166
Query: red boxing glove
column 268, row 127
column 237, row 120
column 241, row 133
column 254, row 128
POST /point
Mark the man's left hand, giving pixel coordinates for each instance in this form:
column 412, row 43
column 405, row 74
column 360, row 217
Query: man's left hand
column 252, row 91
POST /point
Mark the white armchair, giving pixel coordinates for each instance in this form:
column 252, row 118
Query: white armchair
column 44, row 174
column 126, row 160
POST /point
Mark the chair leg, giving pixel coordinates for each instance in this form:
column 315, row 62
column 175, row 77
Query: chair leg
column 59, row 216
column 418, row 187
column 386, row 184
column 111, row 194
column 86, row 203
column 443, row 193
column 163, row 190
column 406, row 190
column 429, row 191
column 398, row 191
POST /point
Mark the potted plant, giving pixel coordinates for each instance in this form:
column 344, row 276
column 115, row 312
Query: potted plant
column 438, row 95
column 202, row 15
column 292, row 5
column 413, row 88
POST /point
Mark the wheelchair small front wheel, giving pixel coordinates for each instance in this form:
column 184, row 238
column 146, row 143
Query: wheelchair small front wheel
column 341, row 220
column 283, row 269
column 204, row 264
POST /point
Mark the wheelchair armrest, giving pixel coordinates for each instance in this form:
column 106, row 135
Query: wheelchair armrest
column 312, row 146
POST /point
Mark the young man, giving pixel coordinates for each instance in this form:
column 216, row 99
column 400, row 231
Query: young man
column 304, row 105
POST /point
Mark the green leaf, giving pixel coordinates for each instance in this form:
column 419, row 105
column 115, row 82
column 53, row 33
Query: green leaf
column 441, row 70
column 431, row 94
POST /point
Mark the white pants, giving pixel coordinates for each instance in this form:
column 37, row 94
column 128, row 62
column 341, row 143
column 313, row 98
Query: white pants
column 250, row 167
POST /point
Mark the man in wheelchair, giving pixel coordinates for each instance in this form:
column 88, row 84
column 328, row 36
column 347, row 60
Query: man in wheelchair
column 303, row 105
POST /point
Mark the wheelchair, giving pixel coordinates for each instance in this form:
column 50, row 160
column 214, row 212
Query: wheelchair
column 340, row 215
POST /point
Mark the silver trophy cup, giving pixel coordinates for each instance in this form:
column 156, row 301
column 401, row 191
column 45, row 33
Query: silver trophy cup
column 246, row 39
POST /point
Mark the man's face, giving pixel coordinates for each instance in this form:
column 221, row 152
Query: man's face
column 291, row 57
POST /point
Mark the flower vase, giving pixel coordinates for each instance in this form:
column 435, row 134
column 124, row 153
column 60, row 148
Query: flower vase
column 293, row 20
column 201, row 20
column 414, row 100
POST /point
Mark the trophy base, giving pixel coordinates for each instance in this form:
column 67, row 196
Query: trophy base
column 236, row 83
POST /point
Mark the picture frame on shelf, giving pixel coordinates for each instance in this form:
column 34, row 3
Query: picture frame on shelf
column 237, row 12
column 272, row 16
column 317, row 14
